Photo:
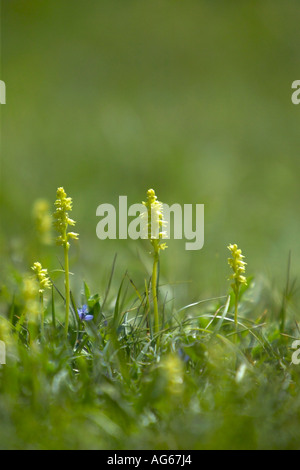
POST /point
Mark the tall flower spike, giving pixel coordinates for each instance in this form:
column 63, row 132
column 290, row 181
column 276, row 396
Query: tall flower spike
column 155, row 224
column 238, row 266
column 63, row 205
column 62, row 220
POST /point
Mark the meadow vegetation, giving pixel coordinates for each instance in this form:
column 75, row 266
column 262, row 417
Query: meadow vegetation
column 125, row 369
column 118, row 344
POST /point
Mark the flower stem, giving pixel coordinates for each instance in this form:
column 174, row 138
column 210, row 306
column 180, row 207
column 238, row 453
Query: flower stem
column 236, row 312
column 236, row 305
column 42, row 315
column 67, row 288
column 154, row 293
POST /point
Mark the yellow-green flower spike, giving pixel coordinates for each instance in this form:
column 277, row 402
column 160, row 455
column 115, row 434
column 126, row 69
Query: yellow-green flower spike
column 43, row 283
column 155, row 219
column 63, row 205
column 62, row 220
column 238, row 267
column 42, row 220
column 30, row 295
column 173, row 371
column 155, row 224
column 42, row 277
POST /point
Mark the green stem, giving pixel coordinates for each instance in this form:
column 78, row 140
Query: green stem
column 236, row 311
column 67, row 287
column 42, row 316
column 236, row 308
column 154, row 293
column 53, row 309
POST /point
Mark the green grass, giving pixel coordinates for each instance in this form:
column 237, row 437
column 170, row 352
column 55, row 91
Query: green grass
column 202, row 381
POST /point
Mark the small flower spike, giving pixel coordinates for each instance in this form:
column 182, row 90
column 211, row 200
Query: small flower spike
column 238, row 266
column 155, row 220
column 30, row 293
column 63, row 205
column 83, row 314
column 42, row 277
column 42, row 220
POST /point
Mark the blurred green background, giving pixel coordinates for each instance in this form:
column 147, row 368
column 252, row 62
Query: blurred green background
column 192, row 98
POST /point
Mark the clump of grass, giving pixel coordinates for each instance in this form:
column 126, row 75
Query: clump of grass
column 118, row 389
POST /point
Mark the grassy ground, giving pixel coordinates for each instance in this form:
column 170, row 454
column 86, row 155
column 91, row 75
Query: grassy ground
column 204, row 379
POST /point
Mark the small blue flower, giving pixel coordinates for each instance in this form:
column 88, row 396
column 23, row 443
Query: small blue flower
column 185, row 357
column 83, row 313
